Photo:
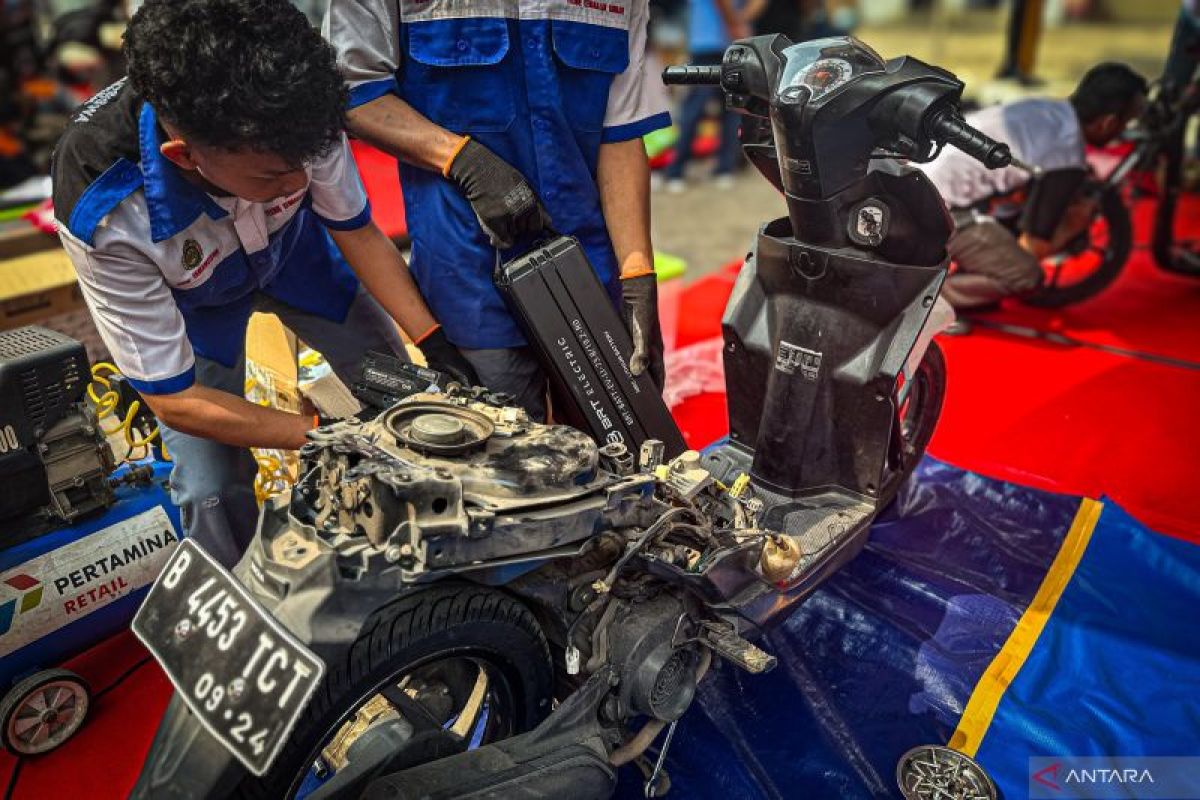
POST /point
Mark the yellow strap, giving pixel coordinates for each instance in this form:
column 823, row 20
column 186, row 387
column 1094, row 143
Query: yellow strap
column 1000, row 674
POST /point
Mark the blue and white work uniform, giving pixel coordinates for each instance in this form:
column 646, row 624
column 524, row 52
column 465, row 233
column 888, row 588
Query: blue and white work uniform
column 541, row 83
column 171, row 275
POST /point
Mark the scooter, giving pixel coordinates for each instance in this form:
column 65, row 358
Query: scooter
column 460, row 602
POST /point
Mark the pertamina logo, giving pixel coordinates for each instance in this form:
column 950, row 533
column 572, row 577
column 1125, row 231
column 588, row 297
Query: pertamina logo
column 29, row 599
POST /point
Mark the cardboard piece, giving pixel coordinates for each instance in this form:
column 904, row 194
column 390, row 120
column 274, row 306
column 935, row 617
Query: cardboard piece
column 272, row 376
column 36, row 287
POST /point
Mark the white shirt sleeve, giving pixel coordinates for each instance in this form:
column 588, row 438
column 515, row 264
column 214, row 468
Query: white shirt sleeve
column 336, row 190
column 637, row 100
column 364, row 34
column 135, row 313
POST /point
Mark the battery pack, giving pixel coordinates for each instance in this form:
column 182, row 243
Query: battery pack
column 584, row 348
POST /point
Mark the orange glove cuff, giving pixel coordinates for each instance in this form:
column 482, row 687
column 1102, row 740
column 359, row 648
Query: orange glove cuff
column 417, row 341
column 646, row 271
column 450, row 161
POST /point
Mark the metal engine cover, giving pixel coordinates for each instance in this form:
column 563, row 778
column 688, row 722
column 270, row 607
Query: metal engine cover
column 441, row 482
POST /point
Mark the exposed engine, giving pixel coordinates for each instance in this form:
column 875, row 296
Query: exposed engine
column 625, row 560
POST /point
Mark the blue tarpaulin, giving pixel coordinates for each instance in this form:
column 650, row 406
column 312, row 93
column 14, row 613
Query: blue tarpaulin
column 1060, row 626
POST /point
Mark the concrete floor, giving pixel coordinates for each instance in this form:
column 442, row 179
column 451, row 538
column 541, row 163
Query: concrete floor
column 710, row 227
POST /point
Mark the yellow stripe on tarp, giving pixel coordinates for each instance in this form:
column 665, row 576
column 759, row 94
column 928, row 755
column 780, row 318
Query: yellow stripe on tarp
column 977, row 716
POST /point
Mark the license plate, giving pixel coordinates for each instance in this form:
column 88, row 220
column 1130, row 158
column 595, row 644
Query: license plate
column 238, row 669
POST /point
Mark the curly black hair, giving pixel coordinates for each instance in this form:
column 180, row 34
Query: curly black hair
column 238, row 74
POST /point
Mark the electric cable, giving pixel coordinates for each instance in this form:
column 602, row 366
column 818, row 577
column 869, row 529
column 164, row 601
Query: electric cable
column 12, row 779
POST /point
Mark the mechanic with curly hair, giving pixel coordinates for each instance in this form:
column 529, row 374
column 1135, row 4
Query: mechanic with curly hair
column 214, row 181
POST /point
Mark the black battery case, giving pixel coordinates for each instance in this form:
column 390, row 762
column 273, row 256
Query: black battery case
column 584, row 349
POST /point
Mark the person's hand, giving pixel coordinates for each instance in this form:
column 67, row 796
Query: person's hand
column 1075, row 221
column 740, row 29
column 443, row 356
column 503, row 201
column 639, row 309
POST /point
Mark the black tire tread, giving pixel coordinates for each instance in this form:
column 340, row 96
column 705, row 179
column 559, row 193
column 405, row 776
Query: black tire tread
column 389, row 632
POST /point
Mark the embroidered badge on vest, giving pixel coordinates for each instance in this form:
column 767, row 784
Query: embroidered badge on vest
column 191, row 254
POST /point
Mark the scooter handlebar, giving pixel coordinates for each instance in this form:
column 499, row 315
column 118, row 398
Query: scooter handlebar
column 692, row 75
column 949, row 128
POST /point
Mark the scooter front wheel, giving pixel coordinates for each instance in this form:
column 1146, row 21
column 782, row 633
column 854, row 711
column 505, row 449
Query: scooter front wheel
column 460, row 665
column 918, row 406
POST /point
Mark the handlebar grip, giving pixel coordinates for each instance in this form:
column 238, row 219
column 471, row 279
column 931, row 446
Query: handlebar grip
column 949, row 128
column 691, row 75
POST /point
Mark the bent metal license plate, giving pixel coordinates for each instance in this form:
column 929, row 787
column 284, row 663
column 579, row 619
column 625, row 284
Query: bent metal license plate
column 242, row 673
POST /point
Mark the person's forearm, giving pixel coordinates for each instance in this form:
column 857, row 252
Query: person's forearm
column 397, row 128
column 1041, row 248
column 1044, row 248
column 729, row 16
column 753, row 10
column 623, row 177
column 226, row 418
column 381, row 268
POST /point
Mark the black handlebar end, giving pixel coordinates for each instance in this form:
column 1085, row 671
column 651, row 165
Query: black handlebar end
column 949, row 128
column 998, row 157
column 692, row 75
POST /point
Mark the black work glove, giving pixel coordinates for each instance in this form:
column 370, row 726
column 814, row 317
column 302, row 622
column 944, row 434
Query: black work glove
column 502, row 199
column 639, row 309
column 444, row 357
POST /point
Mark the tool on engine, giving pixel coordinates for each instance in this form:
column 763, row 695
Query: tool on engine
column 584, row 348
column 384, row 380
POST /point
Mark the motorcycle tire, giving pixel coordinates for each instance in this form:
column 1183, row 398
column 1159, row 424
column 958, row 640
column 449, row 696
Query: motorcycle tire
column 922, row 408
column 444, row 622
column 1115, row 214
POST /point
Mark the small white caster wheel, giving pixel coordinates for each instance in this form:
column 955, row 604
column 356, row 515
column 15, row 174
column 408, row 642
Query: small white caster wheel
column 43, row 711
